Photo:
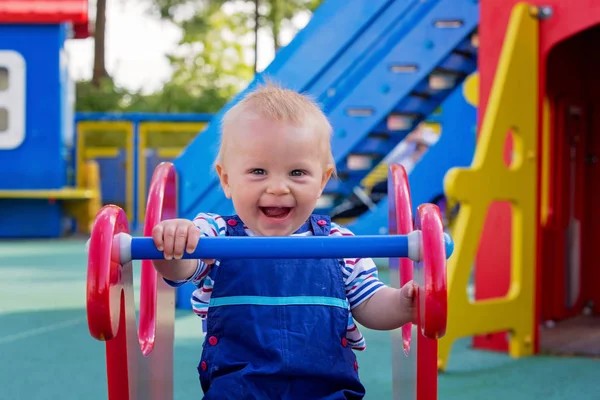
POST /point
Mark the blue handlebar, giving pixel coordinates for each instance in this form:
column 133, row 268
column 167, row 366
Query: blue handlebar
column 224, row 247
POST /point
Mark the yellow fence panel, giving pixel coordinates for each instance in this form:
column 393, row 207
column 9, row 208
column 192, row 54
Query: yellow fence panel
column 168, row 139
column 93, row 142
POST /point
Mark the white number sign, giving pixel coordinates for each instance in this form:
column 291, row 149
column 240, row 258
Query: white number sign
column 12, row 100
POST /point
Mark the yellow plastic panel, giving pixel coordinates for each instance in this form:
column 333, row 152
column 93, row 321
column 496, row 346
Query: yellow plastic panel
column 100, row 152
column 85, row 211
column 171, row 152
column 50, row 194
column 82, row 202
column 512, row 106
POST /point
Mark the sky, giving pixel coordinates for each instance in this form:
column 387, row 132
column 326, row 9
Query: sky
column 136, row 44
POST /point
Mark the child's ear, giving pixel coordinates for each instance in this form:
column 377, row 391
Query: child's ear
column 224, row 178
column 326, row 176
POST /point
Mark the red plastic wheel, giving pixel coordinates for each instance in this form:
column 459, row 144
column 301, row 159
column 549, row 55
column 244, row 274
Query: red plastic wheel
column 431, row 272
column 401, row 223
column 104, row 273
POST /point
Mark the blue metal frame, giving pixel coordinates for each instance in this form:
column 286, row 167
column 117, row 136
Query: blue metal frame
column 136, row 117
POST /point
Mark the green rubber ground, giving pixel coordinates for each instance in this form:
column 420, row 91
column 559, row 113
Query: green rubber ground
column 47, row 353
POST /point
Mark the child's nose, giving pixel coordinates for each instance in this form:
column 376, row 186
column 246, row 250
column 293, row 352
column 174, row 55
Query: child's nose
column 278, row 187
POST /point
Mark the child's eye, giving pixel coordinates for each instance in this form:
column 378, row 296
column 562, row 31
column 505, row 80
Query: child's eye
column 258, row 171
column 297, row 172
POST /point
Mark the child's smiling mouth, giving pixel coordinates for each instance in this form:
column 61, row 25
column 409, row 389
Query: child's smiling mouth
column 276, row 212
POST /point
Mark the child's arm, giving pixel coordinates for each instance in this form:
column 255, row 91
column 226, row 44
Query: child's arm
column 176, row 270
column 373, row 304
column 388, row 308
column 173, row 237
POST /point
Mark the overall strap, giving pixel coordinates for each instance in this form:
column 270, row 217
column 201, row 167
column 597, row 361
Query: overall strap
column 320, row 224
column 235, row 226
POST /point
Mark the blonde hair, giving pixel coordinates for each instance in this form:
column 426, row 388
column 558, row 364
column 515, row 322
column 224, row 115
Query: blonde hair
column 281, row 105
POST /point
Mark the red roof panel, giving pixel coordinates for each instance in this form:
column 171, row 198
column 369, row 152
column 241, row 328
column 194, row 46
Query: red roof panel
column 43, row 11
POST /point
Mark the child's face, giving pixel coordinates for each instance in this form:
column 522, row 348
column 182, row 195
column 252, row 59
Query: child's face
column 274, row 173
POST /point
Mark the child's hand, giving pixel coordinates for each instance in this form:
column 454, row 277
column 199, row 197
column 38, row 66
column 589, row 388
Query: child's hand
column 408, row 300
column 174, row 236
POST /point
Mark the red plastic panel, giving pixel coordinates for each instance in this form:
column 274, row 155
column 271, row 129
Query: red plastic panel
column 81, row 31
column 161, row 204
column 415, row 369
column 401, row 223
column 139, row 366
column 44, row 11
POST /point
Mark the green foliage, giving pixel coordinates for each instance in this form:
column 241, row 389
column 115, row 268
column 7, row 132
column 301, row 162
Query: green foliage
column 172, row 98
column 210, row 60
column 281, row 12
column 209, row 66
column 106, row 97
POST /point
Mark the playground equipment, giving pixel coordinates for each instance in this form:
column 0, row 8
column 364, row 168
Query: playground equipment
column 142, row 367
column 535, row 175
column 36, row 107
column 378, row 67
column 454, row 148
column 490, row 179
column 127, row 148
column 526, row 239
column 139, row 361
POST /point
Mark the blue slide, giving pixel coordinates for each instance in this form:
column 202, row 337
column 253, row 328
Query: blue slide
column 378, row 68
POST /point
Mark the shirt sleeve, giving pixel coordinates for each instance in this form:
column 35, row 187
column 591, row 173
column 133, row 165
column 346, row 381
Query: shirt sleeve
column 210, row 225
column 360, row 274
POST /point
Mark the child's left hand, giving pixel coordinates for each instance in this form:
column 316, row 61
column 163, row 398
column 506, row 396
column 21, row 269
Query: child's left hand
column 408, row 300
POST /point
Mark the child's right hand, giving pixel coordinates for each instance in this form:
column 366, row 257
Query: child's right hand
column 174, row 236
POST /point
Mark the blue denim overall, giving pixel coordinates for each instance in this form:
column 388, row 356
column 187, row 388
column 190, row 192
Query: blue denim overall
column 276, row 329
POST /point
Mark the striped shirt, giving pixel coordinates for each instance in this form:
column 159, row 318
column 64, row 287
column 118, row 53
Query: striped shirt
column 360, row 275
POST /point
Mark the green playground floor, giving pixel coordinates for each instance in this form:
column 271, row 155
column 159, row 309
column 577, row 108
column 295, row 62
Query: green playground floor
column 47, row 353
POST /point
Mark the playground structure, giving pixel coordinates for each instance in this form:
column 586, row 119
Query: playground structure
column 127, row 148
column 532, row 252
column 454, row 148
column 36, row 114
column 526, row 193
column 140, row 366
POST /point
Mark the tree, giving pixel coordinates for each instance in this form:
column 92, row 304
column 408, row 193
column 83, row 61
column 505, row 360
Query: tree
column 99, row 73
column 210, row 65
column 101, row 97
column 210, row 59
column 270, row 14
column 281, row 12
